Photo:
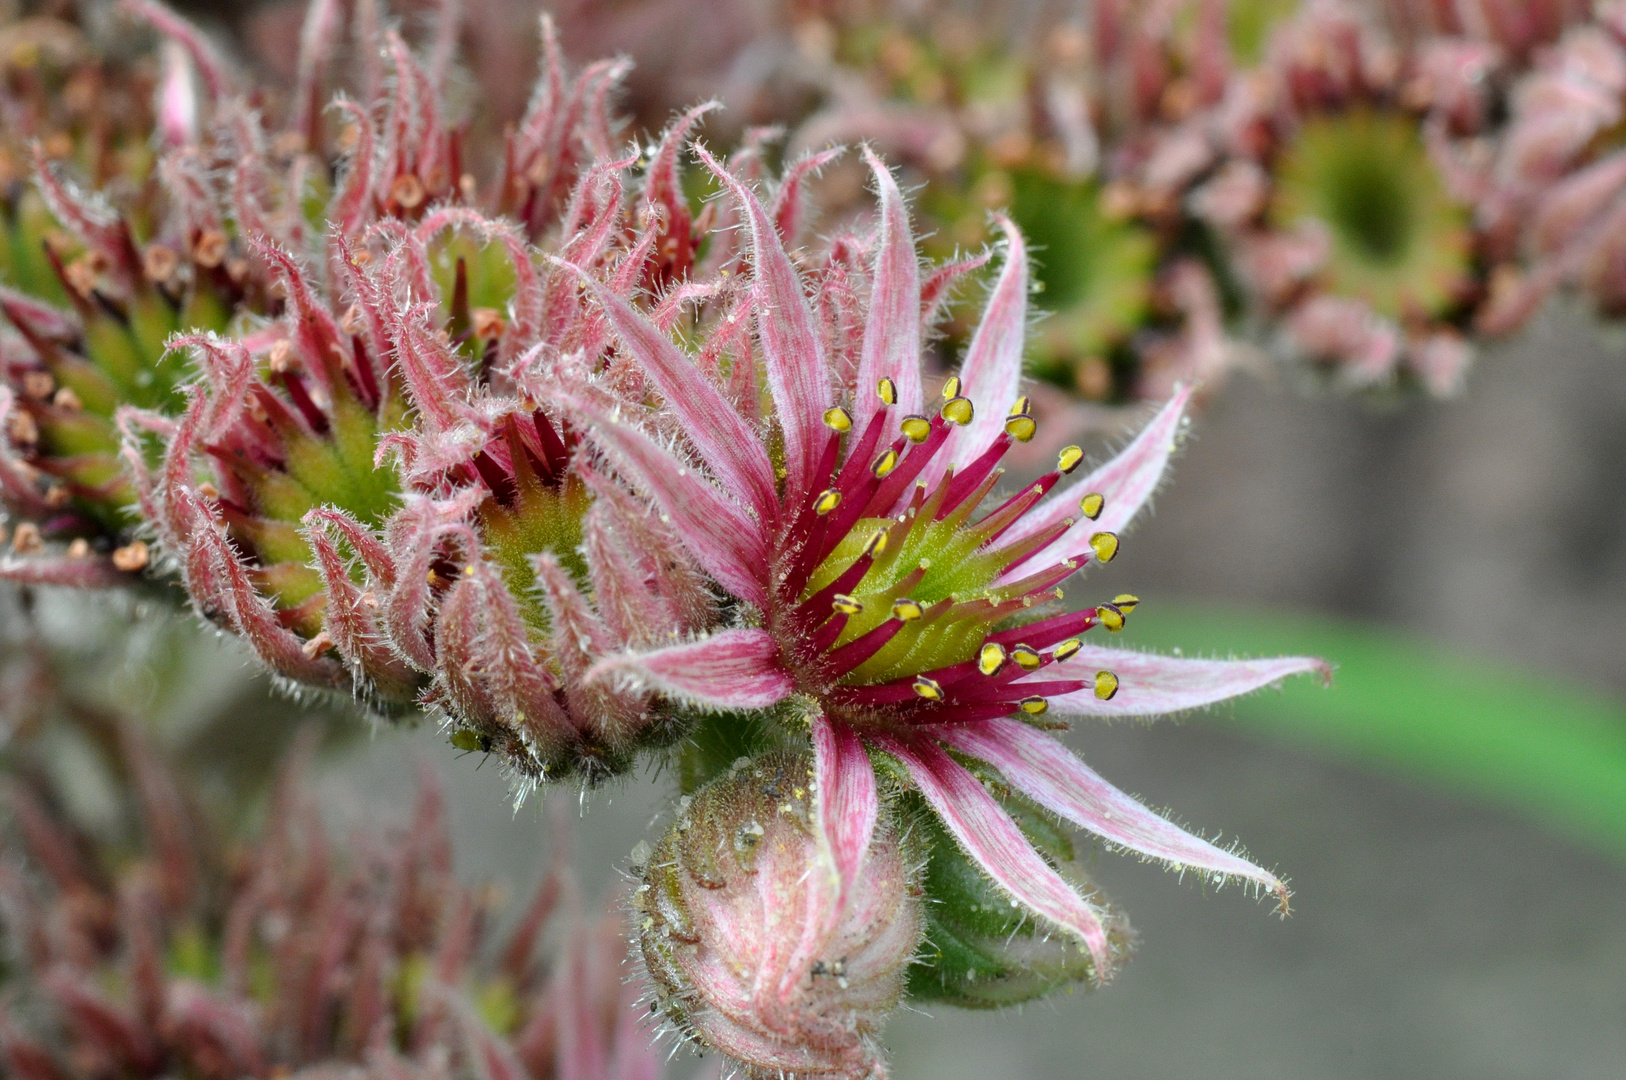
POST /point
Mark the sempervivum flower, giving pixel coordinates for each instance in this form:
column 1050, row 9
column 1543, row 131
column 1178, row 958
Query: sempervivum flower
column 288, row 954
column 1347, row 225
column 882, row 595
column 235, row 222
column 294, row 454
column 1554, row 190
column 1029, row 124
column 755, row 949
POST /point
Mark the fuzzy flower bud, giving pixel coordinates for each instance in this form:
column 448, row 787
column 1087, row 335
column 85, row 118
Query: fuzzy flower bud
column 754, row 949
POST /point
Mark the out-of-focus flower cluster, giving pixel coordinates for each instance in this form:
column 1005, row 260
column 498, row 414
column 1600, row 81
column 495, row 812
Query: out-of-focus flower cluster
column 593, row 474
column 1362, row 188
column 195, row 954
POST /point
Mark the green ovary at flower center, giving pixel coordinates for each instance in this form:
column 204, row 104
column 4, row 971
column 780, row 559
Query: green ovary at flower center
column 942, row 567
column 1398, row 239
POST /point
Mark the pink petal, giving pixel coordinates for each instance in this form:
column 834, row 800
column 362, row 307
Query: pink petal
column 892, row 327
column 726, row 442
column 786, row 209
column 995, row 844
column 848, row 801
column 728, row 545
column 210, row 65
column 731, row 669
column 36, row 318
column 797, row 375
column 318, row 38
column 1153, row 685
column 1038, row 765
column 1127, row 482
column 992, row 372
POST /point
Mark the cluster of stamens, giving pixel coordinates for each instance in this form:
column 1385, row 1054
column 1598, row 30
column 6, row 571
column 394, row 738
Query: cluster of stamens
column 892, row 613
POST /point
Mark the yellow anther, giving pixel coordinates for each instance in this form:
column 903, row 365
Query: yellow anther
column 958, row 411
column 1092, row 504
column 1111, row 617
column 827, row 501
column 907, row 610
column 847, row 605
column 838, row 419
column 1105, row 545
column 876, row 544
column 1067, row 649
column 1022, row 407
column 951, row 389
column 1125, row 602
column 1026, row 656
column 1021, row 428
column 928, row 689
column 885, row 464
column 1034, row 706
column 917, row 428
column 1106, row 685
column 991, row 659
column 888, row 391
column 1069, row 458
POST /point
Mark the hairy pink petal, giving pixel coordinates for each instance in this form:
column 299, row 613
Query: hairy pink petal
column 1153, row 685
column 351, row 616
column 87, row 217
column 994, row 843
column 435, row 377
column 352, row 206
column 210, row 65
column 1127, row 482
column 992, row 372
column 730, row 546
column 513, row 669
column 1037, row 765
column 847, row 802
column 317, row 39
column 731, row 669
column 412, row 535
column 787, row 209
column 939, row 285
column 248, row 611
column 36, row 318
column 892, row 327
column 797, row 375
column 662, row 185
column 726, row 442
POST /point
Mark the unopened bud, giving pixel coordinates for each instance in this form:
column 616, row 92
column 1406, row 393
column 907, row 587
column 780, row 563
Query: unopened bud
column 752, row 951
column 983, row 952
